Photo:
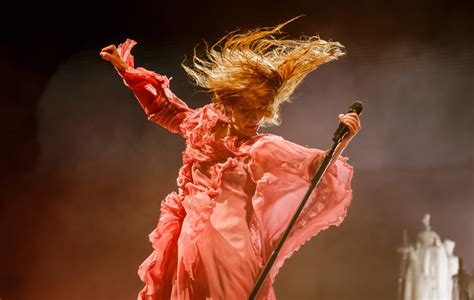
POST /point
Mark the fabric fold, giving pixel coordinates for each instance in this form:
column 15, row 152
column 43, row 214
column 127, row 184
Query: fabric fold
column 158, row 269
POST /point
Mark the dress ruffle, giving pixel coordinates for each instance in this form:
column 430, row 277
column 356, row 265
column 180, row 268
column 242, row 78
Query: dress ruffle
column 125, row 50
column 156, row 271
column 215, row 156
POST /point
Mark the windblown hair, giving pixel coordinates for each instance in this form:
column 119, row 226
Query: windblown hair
column 257, row 69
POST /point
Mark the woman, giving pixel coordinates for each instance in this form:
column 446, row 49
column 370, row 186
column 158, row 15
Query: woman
column 237, row 189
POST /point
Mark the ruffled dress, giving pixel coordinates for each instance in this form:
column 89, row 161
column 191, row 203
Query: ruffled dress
column 234, row 200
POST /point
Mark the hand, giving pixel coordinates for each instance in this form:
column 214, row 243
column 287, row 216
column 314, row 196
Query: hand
column 111, row 54
column 352, row 121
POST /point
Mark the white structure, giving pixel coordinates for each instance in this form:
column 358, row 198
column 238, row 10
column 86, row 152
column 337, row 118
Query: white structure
column 427, row 267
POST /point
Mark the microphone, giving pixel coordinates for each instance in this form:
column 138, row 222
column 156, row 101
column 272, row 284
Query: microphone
column 356, row 107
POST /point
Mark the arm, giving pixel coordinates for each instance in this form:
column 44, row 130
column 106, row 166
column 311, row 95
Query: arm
column 151, row 89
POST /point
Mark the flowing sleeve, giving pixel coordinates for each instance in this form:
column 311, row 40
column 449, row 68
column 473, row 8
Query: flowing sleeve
column 283, row 171
column 158, row 269
column 152, row 92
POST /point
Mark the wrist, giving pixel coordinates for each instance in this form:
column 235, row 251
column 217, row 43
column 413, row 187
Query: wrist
column 123, row 67
column 346, row 139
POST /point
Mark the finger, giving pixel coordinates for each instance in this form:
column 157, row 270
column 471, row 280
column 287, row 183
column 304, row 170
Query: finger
column 352, row 125
column 355, row 119
column 109, row 49
column 352, row 116
column 106, row 56
column 357, row 122
column 351, row 129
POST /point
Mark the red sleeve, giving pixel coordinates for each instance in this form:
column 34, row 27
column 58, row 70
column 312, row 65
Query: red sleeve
column 153, row 93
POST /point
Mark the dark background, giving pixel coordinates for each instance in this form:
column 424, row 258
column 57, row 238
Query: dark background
column 83, row 171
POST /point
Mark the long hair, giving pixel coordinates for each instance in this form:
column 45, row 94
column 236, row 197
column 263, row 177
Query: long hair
column 257, row 69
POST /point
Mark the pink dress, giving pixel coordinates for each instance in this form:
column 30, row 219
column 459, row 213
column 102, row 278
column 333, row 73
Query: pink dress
column 233, row 203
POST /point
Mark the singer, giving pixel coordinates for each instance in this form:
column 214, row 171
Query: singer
column 237, row 189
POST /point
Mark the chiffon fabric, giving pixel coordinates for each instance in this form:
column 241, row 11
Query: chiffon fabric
column 233, row 202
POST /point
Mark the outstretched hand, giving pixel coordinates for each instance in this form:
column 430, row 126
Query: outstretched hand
column 352, row 121
column 111, row 54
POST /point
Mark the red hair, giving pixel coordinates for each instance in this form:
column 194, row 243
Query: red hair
column 258, row 69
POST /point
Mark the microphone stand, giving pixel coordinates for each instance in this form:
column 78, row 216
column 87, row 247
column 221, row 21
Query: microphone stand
column 314, row 182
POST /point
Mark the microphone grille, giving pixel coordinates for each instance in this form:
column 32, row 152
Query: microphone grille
column 356, row 107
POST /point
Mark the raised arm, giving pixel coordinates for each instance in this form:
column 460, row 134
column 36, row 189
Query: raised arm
column 352, row 121
column 151, row 89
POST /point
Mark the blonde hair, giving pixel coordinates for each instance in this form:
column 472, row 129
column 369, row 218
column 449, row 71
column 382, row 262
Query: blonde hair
column 258, row 68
